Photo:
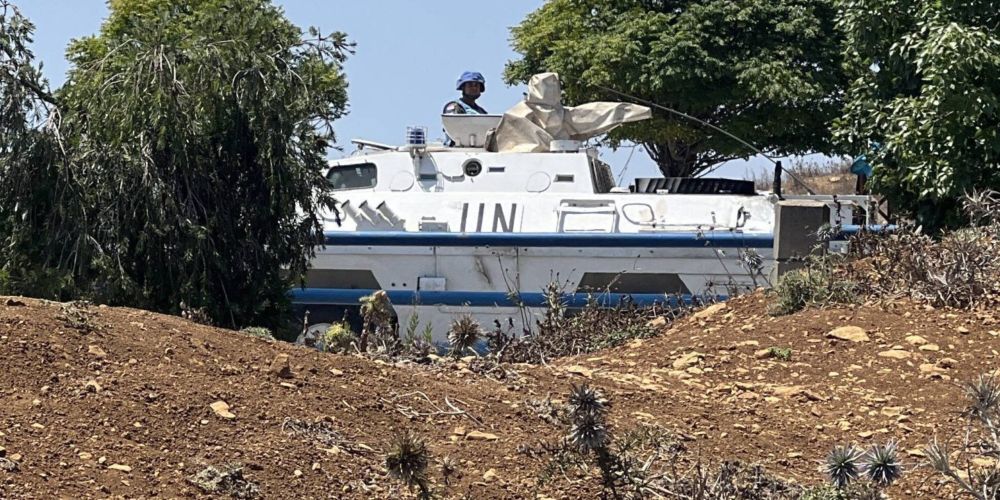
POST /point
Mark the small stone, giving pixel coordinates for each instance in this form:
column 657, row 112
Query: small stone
column 579, row 370
column 288, row 385
column 930, row 347
column 120, row 467
column 916, row 340
column 85, row 456
column 892, row 411
column 866, row 434
column 916, row 452
column 280, row 366
column 688, row 360
column 335, row 372
column 36, row 402
column 657, row 322
column 222, row 409
column 92, row 386
column 849, row 333
column 15, row 457
column 490, row 475
column 297, row 473
column 895, row 354
column 963, row 330
column 710, row 310
column 762, row 354
column 458, row 431
column 102, row 460
column 481, row 436
column 315, row 466
column 96, row 352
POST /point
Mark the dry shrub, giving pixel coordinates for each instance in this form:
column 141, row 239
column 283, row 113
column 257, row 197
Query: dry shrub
column 560, row 333
column 973, row 464
column 646, row 461
column 961, row 269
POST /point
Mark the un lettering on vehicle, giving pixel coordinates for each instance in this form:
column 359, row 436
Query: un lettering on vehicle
column 488, row 217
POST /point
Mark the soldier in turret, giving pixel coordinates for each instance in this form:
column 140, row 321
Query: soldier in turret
column 472, row 84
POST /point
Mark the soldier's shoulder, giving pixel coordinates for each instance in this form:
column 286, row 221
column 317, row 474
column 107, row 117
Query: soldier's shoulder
column 453, row 108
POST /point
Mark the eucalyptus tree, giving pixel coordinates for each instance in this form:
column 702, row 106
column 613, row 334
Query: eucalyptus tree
column 765, row 70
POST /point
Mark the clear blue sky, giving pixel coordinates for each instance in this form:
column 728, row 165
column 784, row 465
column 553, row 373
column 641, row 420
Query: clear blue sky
column 409, row 55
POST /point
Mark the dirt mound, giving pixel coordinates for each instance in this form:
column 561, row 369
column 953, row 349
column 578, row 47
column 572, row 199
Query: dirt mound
column 100, row 402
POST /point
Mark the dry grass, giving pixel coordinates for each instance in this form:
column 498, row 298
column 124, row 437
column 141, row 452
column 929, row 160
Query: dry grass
column 831, row 177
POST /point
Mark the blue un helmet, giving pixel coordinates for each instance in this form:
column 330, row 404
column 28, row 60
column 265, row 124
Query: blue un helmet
column 471, row 76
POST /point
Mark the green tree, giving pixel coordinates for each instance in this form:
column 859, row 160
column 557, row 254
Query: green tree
column 925, row 87
column 194, row 135
column 36, row 236
column 765, row 70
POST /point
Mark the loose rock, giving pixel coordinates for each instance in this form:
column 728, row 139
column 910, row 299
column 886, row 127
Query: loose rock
column 281, row 367
column 222, row 409
column 849, row 333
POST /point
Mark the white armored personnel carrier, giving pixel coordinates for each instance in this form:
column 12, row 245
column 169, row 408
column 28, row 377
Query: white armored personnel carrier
column 483, row 226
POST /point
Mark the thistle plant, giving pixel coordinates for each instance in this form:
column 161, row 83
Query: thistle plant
column 842, row 465
column 587, row 410
column 407, row 461
column 377, row 313
column 463, row 335
column 882, row 464
column 449, row 468
column 984, row 399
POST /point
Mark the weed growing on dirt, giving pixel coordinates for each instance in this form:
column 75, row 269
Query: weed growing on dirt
column 78, row 315
column 378, row 323
column 449, row 469
column 195, row 314
column 463, row 335
column 780, row 353
column 407, row 462
column 258, row 332
column 974, row 466
column 225, row 481
column 820, row 283
column 338, row 338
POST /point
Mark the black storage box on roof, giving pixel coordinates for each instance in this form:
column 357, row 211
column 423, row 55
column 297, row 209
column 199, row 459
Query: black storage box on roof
column 692, row 185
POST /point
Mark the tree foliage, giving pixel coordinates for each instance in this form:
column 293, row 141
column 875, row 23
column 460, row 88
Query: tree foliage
column 766, row 70
column 35, row 234
column 196, row 133
column 926, row 88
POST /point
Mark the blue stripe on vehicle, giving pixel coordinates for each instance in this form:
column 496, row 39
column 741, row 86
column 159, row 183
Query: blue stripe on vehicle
column 851, row 229
column 341, row 296
column 573, row 240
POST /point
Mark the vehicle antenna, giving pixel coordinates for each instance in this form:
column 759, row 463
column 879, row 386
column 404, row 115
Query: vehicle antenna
column 713, row 127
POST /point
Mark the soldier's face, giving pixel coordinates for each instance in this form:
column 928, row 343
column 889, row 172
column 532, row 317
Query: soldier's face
column 472, row 89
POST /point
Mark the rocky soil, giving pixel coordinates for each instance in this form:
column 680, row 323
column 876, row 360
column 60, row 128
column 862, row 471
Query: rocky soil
column 100, row 402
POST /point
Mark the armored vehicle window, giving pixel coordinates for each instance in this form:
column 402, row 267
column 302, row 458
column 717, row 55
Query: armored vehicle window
column 353, row 176
column 601, row 173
